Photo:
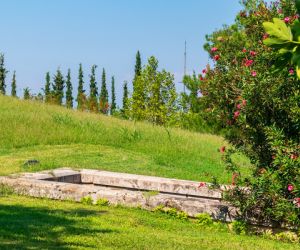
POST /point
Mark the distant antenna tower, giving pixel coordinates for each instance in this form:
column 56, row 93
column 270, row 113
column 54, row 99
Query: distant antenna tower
column 184, row 64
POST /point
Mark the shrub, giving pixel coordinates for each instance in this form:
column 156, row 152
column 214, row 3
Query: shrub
column 102, row 202
column 204, row 219
column 239, row 227
column 257, row 102
column 87, row 200
column 5, row 190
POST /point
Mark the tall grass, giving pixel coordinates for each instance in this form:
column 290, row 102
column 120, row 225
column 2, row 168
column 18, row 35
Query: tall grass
column 29, row 127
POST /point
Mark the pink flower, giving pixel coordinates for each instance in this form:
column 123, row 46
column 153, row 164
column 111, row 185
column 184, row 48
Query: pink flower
column 253, row 73
column 216, row 57
column 204, row 71
column 294, row 156
column 244, row 50
column 265, row 36
column 287, row 19
column 290, row 187
column 297, row 202
column 279, row 11
column 239, row 106
column 214, row 49
column 236, row 114
column 252, row 53
column 244, row 102
column 201, row 78
column 202, row 184
column 222, row 149
column 291, row 71
column 248, row 63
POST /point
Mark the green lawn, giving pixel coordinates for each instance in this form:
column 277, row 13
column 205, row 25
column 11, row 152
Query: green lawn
column 58, row 137
column 29, row 223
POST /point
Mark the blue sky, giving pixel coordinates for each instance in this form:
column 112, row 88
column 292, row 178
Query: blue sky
column 42, row 35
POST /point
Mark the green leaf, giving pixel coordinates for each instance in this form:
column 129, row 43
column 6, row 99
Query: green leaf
column 298, row 5
column 278, row 30
column 296, row 30
column 274, row 41
column 298, row 71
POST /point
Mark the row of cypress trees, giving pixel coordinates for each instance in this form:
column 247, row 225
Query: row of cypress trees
column 94, row 101
column 61, row 88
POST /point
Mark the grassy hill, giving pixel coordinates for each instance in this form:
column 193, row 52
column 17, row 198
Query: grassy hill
column 58, row 137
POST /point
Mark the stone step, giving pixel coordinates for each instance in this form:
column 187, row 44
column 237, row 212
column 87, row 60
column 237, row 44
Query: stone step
column 150, row 183
column 148, row 200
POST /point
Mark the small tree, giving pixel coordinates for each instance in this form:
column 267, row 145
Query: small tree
column 125, row 100
column 81, row 98
column 47, row 90
column 3, row 73
column 93, row 103
column 155, row 97
column 113, row 97
column 58, row 87
column 69, row 96
column 14, row 85
column 138, row 94
column 103, row 102
column 26, row 94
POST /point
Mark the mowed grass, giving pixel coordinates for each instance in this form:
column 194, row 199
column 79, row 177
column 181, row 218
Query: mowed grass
column 29, row 223
column 58, row 137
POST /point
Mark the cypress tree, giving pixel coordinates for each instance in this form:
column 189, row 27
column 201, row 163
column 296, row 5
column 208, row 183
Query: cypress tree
column 26, row 94
column 103, row 102
column 138, row 65
column 113, row 97
column 14, row 85
column 93, row 104
column 69, row 96
column 3, row 73
column 125, row 100
column 58, row 87
column 80, row 93
column 47, row 90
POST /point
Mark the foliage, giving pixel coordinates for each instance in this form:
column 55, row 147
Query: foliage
column 3, row 73
column 47, row 89
column 124, row 110
column 113, row 105
column 239, row 227
column 93, row 103
column 69, row 96
column 102, row 202
column 286, row 39
column 155, row 97
column 26, row 94
column 172, row 212
column 14, row 85
column 81, row 97
column 5, row 190
column 58, row 87
column 204, row 219
column 259, row 108
column 87, row 200
column 103, row 101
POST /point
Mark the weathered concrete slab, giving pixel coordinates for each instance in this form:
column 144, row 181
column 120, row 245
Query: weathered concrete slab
column 141, row 182
column 67, row 191
column 125, row 189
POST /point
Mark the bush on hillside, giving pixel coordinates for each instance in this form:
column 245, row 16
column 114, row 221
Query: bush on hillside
column 258, row 103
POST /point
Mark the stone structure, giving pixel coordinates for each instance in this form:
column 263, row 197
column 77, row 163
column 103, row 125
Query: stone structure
column 126, row 189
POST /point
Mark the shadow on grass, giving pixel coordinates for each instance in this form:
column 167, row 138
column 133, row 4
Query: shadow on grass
column 23, row 227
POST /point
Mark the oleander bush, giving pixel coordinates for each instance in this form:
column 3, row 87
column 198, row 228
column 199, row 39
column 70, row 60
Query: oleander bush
column 252, row 90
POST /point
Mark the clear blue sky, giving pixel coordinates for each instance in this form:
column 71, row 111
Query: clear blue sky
column 41, row 35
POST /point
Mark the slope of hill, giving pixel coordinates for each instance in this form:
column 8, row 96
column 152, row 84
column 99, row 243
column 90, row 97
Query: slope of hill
column 58, row 137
